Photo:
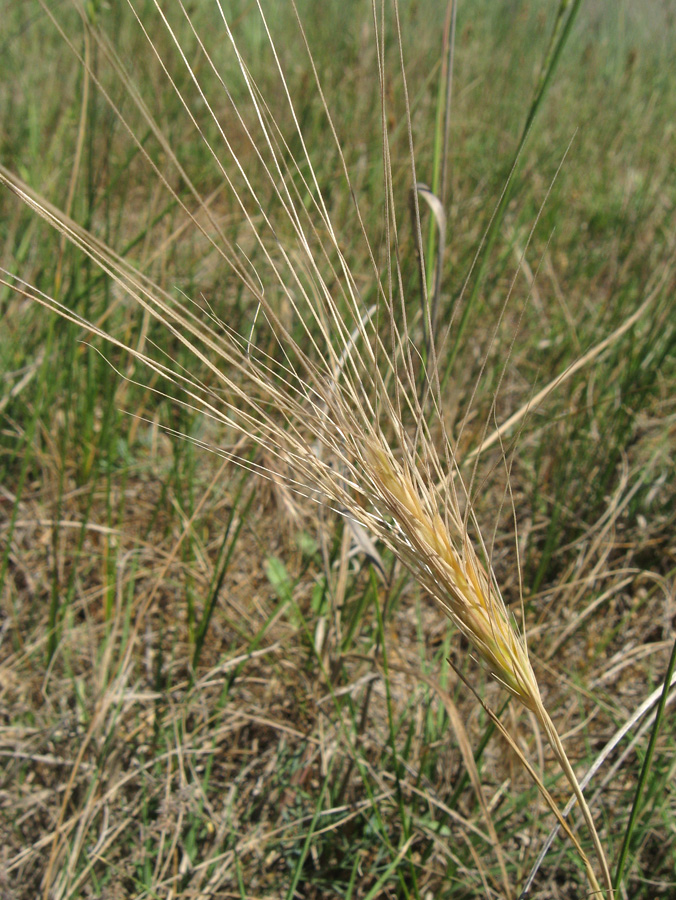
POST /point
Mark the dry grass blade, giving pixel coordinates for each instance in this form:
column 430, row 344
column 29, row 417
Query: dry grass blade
column 596, row 889
column 466, row 749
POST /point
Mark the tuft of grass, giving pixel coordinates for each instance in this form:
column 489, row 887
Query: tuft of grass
column 199, row 703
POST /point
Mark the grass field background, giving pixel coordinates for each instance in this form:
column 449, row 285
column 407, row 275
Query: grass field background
column 205, row 689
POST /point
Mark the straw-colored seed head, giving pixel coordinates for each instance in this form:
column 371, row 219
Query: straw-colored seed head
column 450, row 569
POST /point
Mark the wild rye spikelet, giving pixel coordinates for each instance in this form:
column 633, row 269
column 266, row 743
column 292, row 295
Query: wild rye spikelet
column 450, row 569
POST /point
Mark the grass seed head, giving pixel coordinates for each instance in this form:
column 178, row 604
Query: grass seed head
column 446, row 563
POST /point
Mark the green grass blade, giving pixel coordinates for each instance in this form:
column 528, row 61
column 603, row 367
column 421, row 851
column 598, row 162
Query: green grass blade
column 645, row 770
